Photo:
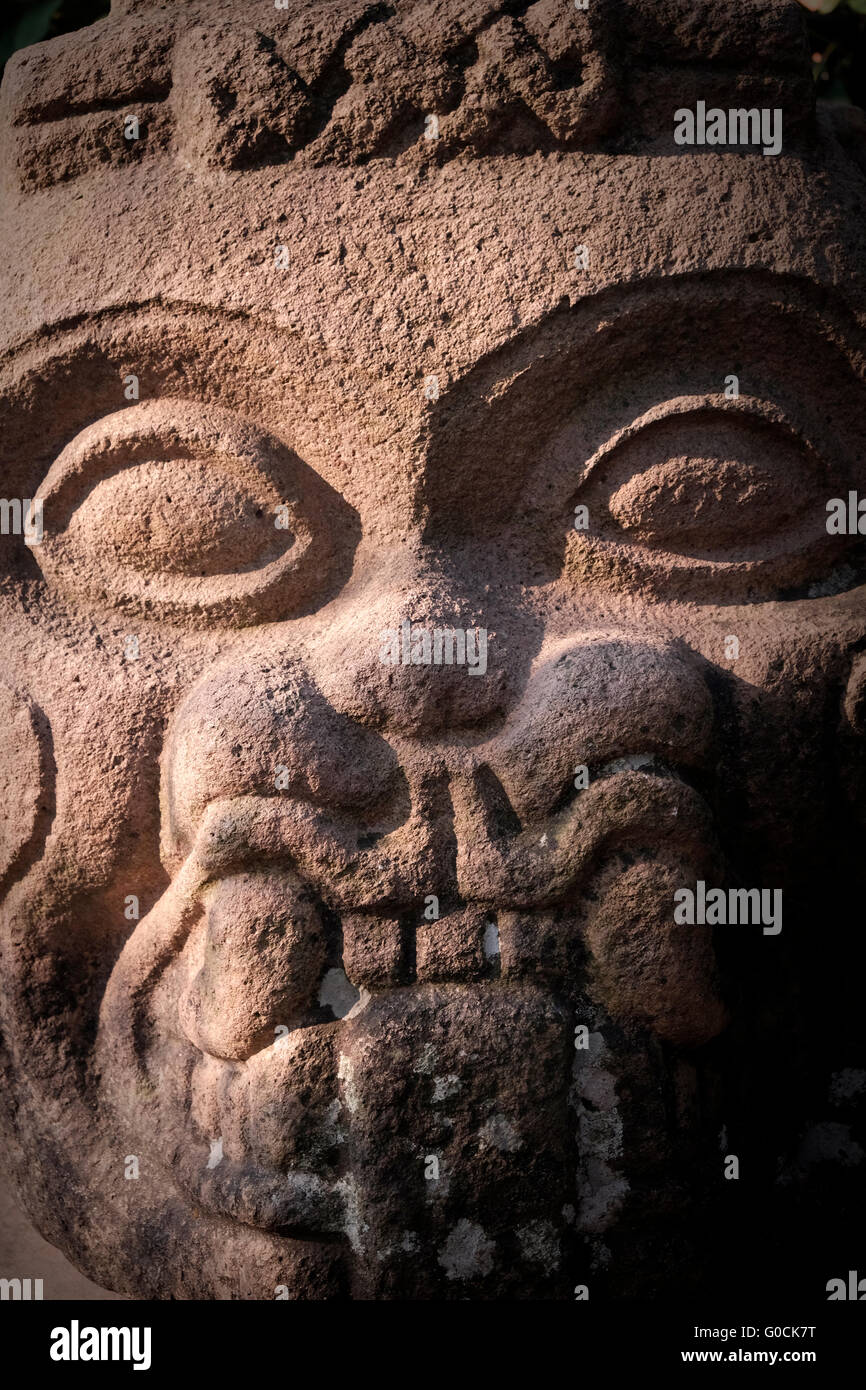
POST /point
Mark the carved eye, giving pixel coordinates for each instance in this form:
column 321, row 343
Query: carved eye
column 181, row 517
column 711, row 484
column 172, row 508
column 706, row 493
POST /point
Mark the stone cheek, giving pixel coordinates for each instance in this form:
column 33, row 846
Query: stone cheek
column 349, row 782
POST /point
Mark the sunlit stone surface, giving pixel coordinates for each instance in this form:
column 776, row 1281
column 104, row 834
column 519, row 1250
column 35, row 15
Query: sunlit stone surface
column 333, row 967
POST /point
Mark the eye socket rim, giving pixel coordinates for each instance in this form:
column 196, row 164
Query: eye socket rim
column 160, row 431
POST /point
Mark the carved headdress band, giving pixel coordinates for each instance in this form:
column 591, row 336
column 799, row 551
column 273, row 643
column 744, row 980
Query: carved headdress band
column 421, row 80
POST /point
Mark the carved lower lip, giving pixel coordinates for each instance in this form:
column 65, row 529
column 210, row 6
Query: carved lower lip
column 209, row 1137
column 294, row 1202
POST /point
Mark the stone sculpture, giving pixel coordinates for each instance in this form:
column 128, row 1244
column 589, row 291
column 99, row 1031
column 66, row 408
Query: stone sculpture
column 432, row 458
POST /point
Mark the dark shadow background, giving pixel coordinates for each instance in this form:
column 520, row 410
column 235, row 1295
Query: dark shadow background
column 29, row 21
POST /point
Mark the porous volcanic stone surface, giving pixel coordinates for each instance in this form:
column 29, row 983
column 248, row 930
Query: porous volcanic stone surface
column 337, row 339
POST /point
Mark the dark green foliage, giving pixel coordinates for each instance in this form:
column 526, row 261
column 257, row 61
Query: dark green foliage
column 838, row 43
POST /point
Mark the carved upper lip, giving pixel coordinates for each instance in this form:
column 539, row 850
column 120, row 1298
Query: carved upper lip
column 323, row 846
column 632, row 800
column 631, row 795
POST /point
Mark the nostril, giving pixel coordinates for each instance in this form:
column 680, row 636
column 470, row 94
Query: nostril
column 599, row 697
column 368, row 840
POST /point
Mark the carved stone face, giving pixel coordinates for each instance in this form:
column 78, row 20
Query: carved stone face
column 330, row 967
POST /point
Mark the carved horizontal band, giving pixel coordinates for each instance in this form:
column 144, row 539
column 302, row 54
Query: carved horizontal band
column 353, row 81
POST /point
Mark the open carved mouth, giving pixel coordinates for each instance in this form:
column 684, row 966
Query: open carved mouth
column 221, row 1044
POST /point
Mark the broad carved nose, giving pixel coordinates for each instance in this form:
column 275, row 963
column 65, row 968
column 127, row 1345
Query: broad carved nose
column 422, row 650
